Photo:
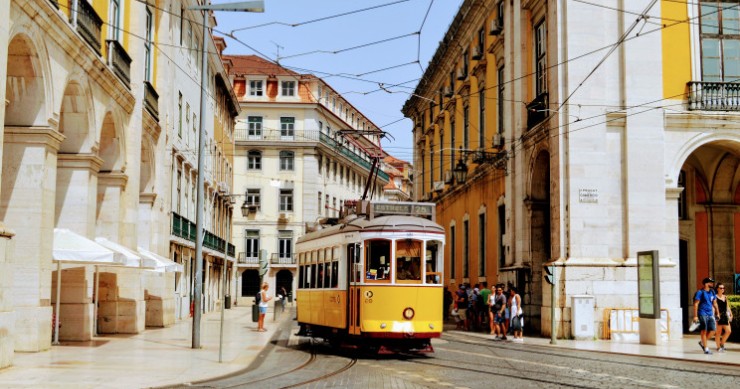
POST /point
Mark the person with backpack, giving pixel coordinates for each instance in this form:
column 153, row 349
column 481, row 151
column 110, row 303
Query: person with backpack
column 705, row 309
column 262, row 299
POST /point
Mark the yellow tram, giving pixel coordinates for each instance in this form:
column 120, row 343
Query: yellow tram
column 374, row 279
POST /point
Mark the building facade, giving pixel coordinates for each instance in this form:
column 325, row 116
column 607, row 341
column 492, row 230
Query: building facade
column 603, row 158
column 400, row 179
column 301, row 151
column 88, row 129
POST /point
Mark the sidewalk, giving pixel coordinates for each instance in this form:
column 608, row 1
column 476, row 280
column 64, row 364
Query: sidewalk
column 686, row 349
column 156, row 357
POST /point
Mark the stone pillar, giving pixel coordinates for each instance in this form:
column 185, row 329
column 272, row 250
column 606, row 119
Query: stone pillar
column 159, row 296
column 76, row 304
column 111, row 208
column 145, row 228
column 76, row 196
column 7, row 318
column 27, row 204
column 122, row 309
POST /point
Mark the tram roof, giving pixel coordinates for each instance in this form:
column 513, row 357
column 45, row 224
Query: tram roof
column 378, row 224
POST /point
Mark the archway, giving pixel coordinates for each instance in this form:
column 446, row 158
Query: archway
column 25, row 86
column 540, row 240
column 284, row 279
column 250, row 283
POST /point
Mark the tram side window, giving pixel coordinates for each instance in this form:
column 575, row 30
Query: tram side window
column 327, row 275
column 408, row 260
column 378, row 260
column 353, row 259
column 433, row 263
column 335, row 274
column 312, row 276
column 301, row 275
column 307, row 273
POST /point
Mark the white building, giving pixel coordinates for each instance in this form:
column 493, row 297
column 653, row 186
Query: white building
column 301, row 151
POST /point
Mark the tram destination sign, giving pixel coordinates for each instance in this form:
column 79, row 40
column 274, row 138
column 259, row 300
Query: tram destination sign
column 425, row 210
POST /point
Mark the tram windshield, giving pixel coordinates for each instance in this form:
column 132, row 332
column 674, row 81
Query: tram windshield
column 408, row 260
column 378, row 260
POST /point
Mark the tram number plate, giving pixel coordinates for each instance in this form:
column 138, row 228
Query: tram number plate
column 368, row 297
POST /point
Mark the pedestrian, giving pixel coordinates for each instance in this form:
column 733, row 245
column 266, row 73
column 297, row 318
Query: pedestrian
column 516, row 313
column 506, row 309
column 264, row 299
column 282, row 296
column 498, row 307
column 462, row 306
column 473, row 312
column 725, row 318
column 485, row 307
column 446, row 302
column 705, row 309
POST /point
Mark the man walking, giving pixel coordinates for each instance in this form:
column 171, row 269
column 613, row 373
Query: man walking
column 705, row 309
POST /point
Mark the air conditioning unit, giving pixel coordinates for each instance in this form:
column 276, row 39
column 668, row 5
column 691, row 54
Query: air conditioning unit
column 448, row 91
column 460, row 74
column 496, row 27
column 449, row 177
column 439, row 186
column 498, row 140
column 477, row 53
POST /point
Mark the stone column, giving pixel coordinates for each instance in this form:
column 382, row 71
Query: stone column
column 111, row 208
column 27, row 205
column 7, row 318
column 76, row 196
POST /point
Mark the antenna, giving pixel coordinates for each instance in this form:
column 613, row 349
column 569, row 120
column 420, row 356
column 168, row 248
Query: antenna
column 277, row 48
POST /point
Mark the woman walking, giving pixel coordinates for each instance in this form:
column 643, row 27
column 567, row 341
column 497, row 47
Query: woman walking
column 725, row 317
column 516, row 314
column 264, row 299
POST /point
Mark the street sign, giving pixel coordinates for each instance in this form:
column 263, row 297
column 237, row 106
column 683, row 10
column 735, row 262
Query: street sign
column 550, row 274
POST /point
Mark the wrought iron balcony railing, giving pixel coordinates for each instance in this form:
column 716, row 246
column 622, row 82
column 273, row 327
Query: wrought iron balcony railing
column 151, row 99
column 714, row 96
column 88, row 23
column 185, row 229
column 277, row 259
column 537, row 110
column 253, row 259
column 119, row 61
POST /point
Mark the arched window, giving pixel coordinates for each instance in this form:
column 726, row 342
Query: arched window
column 286, row 160
column 254, row 160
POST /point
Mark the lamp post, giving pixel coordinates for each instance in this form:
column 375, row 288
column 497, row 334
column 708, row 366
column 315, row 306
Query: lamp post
column 244, row 6
column 461, row 171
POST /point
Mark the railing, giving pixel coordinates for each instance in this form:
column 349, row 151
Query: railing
column 537, row 110
column 230, row 250
column 252, row 260
column 151, row 99
column 714, row 96
column 119, row 61
column 88, row 23
column 185, row 229
column 276, row 259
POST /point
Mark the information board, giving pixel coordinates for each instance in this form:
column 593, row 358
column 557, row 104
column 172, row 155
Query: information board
column 648, row 284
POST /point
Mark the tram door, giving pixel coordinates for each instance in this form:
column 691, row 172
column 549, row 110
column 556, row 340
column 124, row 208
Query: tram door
column 353, row 290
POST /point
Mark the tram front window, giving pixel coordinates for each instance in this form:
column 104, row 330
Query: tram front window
column 377, row 260
column 408, row 260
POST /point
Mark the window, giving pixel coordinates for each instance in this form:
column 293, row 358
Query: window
column 286, row 160
column 179, row 114
column 254, row 126
column 252, row 244
column 255, row 88
column 285, row 243
column 482, row 244
column 452, row 141
column 319, row 208
column 453, row 247
column 441, row 155
column 466, row 249
column 253, row 197
column 431, row 166
column 501, row 100
column 465, row 63
column 254, row 160
column 481, row 40
column 408, row 260
column 321, row 127
column 114, row 16
column 540, row 55
column 318, row 95
column 179, row 189
column 187, row 116
column 431, row 113
column 720, row 41
column 326, row 206
column 378, row 260
column 466, row 127
column 682, row 196
column 452, row 79
column 481, row 116
column 182, row 24
column 286, row 200
column 423, row 171
column 149, row 25
column 287, row 128
column 288, row 88
column 433, row 260
column 501, row 233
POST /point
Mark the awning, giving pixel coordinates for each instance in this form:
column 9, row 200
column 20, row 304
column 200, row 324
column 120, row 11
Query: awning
column 74, row 248
column 163, row 264
column 132, row 259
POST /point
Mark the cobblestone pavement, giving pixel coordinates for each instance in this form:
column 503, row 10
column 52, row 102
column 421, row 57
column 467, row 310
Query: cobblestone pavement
column 462, row 361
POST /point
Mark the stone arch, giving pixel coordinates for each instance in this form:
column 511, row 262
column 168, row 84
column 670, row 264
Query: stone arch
column 112, row 144
column 77, row 118
column 28, row 81
column 724, row 138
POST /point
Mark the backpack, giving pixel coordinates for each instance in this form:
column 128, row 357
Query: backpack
column 258, row 298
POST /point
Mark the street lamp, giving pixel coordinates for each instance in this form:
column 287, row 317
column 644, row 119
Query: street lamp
column 244, row 6
column 245, row 209
column 460, row 171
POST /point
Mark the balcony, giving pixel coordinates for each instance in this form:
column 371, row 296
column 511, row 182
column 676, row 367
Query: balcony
column 88, row 23
column 151, row 100
column 119, row 61
column 714, row 96
column 276, row 259
column 537, row 110
column 185, row 229
column 251, row 260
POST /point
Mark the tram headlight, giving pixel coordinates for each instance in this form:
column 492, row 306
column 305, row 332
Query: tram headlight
column 382, row 326
column 408, row 313
column 431, row 326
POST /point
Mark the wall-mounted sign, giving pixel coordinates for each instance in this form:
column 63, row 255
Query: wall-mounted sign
column 648, row 284
column 588, row 196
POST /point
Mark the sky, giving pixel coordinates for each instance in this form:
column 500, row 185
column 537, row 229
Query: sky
column 411, row 31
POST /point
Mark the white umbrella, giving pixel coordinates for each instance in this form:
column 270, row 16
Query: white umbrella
column 70, row 247
column 162, row 264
